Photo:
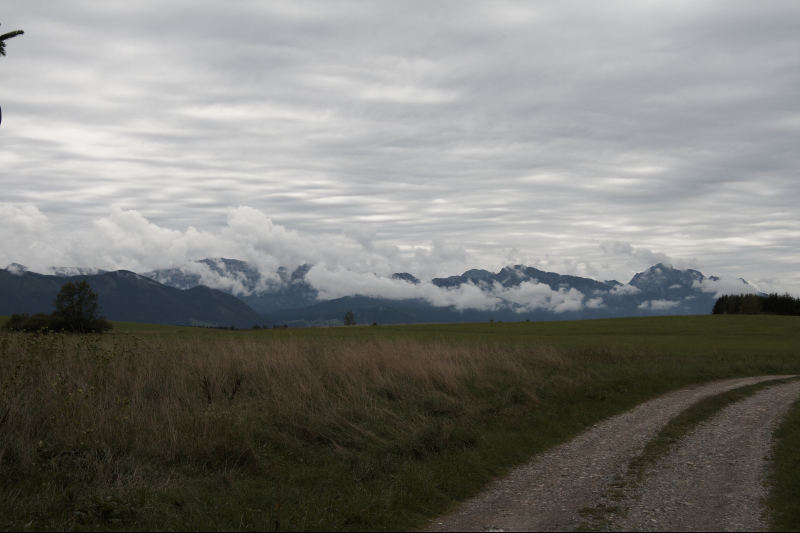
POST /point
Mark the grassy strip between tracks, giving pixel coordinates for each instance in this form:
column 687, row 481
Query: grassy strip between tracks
column 335, row 429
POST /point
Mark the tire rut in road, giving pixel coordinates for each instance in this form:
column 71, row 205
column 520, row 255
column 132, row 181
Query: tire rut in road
column 548, row 492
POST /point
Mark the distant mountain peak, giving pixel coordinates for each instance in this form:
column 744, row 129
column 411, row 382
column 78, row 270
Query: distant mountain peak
column 298, row 275
column 222, row 264
column 661, row 273
column 129, row 275
column 263, row 291
column 405, row 276
column 16, row 269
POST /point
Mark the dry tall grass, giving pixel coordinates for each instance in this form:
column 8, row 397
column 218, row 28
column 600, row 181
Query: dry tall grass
column 110, row 401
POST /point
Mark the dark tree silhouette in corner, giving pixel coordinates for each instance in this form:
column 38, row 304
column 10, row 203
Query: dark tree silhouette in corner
column 3, row 39
column 5, row 36
column 349, row 319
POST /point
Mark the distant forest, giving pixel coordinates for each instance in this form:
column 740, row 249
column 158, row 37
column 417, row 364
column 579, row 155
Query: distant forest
column 755, row 304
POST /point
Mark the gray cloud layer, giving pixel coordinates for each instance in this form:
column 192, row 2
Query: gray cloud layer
column 583, row 137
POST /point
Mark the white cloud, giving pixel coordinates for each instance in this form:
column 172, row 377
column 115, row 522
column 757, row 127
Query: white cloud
column 338, row 282
column 595, row 303
column 531, row 296
column 466, row 296
column 625, row 290
column 16, row 269
column 527, row 296
column 335, row 283
column 659, row 305
column 227, row 280
column 125, row 239
column 642, row 256
column 722, row 286
column 22, row 219
column 25, row 232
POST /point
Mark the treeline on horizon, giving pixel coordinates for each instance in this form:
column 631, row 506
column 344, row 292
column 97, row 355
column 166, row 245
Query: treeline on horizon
column 757, row 304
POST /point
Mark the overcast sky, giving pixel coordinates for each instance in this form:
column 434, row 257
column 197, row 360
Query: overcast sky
column 589, row 138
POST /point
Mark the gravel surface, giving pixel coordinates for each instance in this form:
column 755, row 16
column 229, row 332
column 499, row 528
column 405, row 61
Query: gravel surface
column 715, row 479
column 549, row 492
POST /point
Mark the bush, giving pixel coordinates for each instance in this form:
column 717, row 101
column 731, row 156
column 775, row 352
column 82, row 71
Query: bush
column 25, row 322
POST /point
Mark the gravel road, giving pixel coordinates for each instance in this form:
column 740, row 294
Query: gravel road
column 548, row 493
column 714, row 480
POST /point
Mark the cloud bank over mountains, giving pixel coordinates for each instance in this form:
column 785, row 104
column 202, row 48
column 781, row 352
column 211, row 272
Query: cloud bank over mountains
column 339, row 264
column 514, row 291
column 526, row 296
column 124, row 239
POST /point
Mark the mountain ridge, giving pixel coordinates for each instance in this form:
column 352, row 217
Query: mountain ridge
column 126, row 296
column 241, row 295
column 661, row 289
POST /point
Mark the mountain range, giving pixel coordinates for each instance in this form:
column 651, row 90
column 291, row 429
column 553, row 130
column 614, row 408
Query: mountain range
column 227, row 292
column 518, row 293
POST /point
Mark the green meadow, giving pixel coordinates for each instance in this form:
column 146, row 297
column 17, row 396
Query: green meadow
column 346, row 428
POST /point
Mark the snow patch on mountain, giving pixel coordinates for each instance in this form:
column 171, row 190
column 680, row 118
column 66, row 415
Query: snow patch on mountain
column 721, row 287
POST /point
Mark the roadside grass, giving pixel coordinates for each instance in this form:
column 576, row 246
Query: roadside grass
column 784, row 495
column 356, row 428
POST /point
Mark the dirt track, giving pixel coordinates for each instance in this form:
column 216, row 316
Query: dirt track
column 549, row 493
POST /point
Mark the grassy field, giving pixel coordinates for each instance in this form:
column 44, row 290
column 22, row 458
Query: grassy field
column 383, row 427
